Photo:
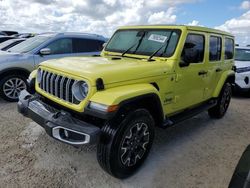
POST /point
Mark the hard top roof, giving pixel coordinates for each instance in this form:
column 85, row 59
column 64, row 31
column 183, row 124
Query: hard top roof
column 194, row 28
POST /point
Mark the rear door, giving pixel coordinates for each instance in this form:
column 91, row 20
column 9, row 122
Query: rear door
column 82, row 46
column 215, row 63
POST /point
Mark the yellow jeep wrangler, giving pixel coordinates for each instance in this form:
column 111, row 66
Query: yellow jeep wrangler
column 146, row 77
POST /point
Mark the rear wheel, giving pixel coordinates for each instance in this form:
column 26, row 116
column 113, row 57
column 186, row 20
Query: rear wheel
column 123, row 148
column 11, row 86
column 222, row 105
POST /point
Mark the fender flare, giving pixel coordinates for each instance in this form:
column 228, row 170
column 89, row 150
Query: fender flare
column 226, row 76
column 133, row 94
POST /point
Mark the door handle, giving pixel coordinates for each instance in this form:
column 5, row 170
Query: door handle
column 202, row 72
column 218, row 70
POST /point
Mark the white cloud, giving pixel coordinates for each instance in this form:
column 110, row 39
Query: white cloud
column 97, row 16
column 240, row 27
column 162, row 17
column 245, row 5
column 194, row 23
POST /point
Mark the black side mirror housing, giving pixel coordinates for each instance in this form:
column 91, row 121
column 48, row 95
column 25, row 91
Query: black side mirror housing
column 184, row 63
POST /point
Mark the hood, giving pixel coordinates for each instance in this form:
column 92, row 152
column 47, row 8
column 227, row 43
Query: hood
column 241, row 64
column 110, row 70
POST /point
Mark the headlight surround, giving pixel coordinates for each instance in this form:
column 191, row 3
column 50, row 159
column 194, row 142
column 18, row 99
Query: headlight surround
column 80, row 90
column 39, row 76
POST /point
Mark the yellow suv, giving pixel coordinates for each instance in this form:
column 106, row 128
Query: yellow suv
column 146, row 77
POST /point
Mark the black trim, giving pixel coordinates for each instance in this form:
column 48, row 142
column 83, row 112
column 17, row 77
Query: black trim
column 188, row 113
column 99, row 84
column 31, row 85
column 110, row 115
column 48, row 117
column 236, row 88
column 158, row 105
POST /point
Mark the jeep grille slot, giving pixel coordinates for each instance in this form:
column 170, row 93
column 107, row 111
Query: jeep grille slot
column 58, row 86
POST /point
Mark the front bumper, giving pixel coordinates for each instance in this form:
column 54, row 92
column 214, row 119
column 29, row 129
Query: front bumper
column 58, row 124
column 242, row 81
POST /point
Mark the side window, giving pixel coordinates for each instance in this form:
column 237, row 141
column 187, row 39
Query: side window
column 229, row 48
column 61, row 46
column 86, row 45
column 215, row 48
column 193, row 51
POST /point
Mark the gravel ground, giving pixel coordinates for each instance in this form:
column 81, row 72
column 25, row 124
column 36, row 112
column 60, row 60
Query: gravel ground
column 199, row 152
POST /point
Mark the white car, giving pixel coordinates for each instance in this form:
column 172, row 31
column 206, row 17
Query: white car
column 242, row 63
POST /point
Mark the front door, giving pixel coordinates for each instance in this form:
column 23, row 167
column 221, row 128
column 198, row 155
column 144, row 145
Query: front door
column 58, row 49
column 191, row 74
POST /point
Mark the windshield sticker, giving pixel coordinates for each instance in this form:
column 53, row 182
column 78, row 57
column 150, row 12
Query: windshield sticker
column 248, row 52
column 157, row 38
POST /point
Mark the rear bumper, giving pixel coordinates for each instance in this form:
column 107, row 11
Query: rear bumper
column 58, row 124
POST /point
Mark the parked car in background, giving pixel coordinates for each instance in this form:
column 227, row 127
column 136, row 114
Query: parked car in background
column 242, row 63
column 24, row 35
column 5, row 38
column 147, row 76
column 10, row 43
column 2, row 33
column 9, row 33
column 17, row 63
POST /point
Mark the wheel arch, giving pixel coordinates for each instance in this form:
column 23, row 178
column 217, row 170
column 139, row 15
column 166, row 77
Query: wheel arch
column 14, row 70
column 150, row 102
column 133, row 96
column 228, row 76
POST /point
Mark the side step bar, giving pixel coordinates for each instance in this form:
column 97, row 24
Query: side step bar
column 188, row 113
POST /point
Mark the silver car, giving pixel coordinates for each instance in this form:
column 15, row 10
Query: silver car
column 17, row 63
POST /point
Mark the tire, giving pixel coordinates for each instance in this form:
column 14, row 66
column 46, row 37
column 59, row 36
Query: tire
column 118, row 151
column 223, row 102
column 11, row 86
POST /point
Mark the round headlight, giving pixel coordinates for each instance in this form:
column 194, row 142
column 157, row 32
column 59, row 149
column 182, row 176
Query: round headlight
column 80, row 90
column 39, row 76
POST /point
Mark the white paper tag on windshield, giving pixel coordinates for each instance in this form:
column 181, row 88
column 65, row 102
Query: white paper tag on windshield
column 248, row 52
column 157, row 38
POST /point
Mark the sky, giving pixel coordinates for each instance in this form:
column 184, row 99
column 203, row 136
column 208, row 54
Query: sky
column 105, row 16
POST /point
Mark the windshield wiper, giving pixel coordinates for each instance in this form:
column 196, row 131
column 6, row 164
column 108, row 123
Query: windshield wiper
column 136, row 44
column 164, row 45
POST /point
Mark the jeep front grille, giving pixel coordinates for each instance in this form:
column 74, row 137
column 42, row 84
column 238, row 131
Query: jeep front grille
column 58, row 86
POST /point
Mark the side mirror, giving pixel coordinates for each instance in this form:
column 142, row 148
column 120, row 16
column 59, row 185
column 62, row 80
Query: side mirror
column 45, row 51
column 189, row 55
column 104, row 45
column 184, row 63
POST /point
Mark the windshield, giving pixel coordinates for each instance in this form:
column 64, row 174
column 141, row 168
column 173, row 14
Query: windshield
column 29, row 44
column 242, row 55
column 151, row 41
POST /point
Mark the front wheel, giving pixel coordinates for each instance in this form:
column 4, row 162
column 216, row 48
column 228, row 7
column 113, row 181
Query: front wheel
column 11, row 86
column 222, row 105
column 123, row 148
